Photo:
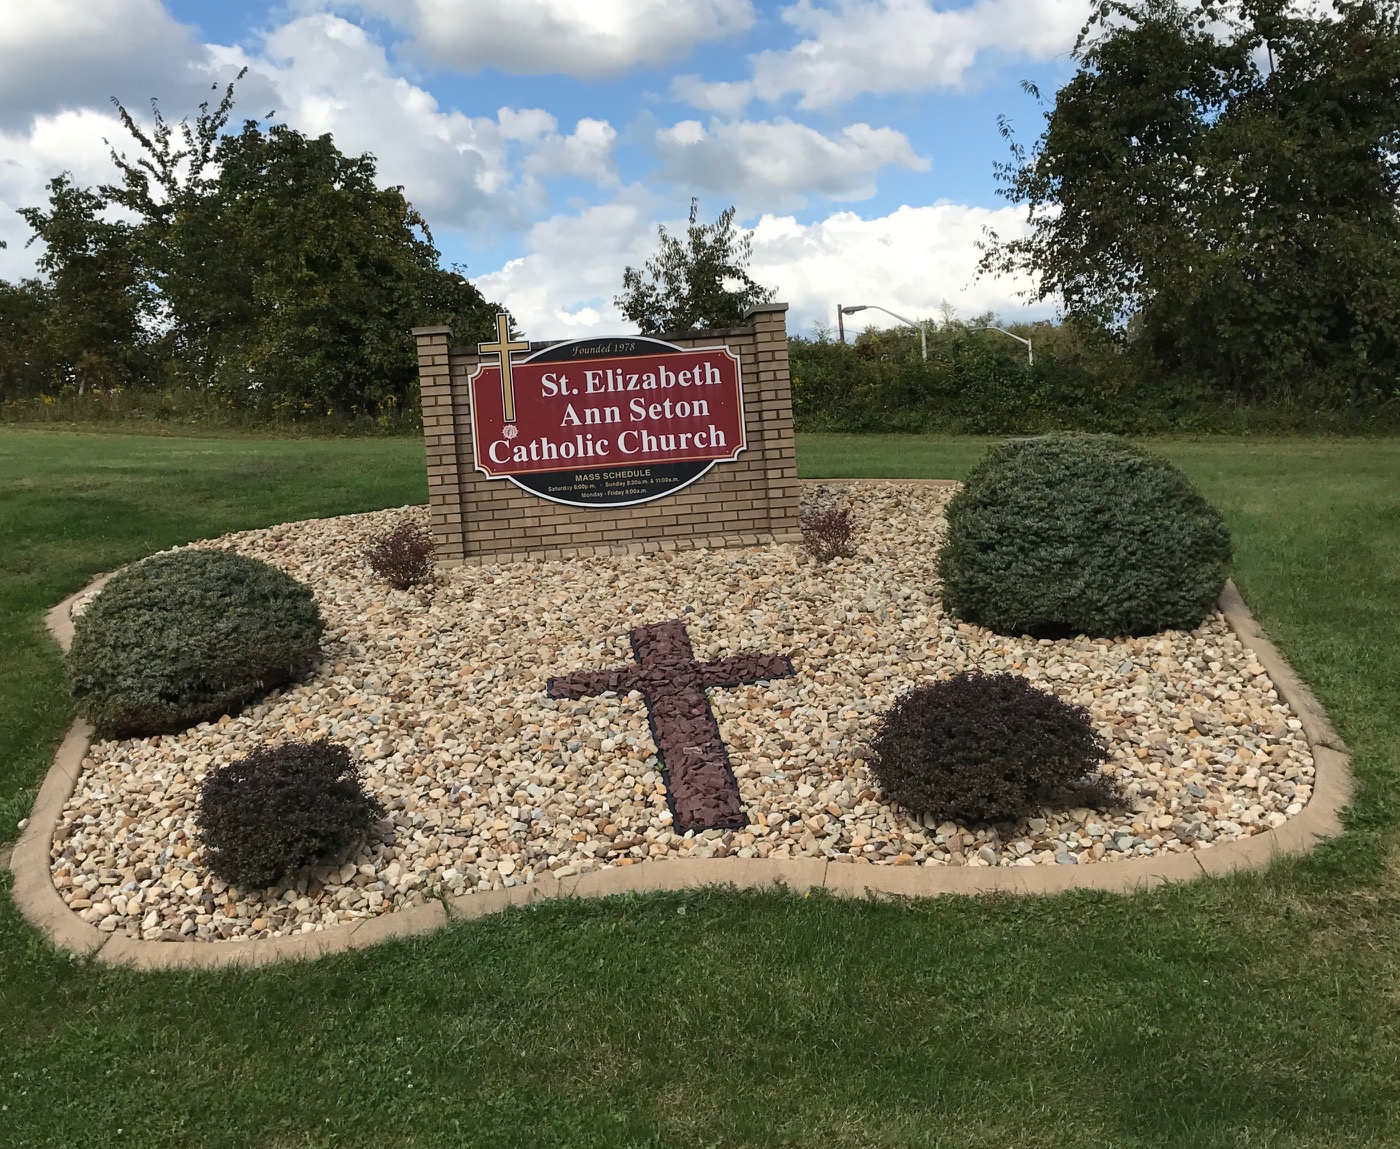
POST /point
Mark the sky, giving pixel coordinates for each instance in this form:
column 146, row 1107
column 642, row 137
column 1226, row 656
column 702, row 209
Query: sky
column 546, row 140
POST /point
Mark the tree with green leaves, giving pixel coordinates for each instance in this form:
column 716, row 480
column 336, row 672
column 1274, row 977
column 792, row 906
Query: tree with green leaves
column 1219, row 183
column 701, row 281
column 95, row 298
column 331, row 272
column 168, row 188
column 27, row 360
column 261, row 264
column 288, row 277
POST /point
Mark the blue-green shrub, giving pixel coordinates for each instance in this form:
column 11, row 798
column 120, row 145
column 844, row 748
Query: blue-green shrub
column 186, row 637
column 1081, row 534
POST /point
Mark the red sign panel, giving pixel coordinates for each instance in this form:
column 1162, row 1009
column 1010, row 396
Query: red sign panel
column 607, row 422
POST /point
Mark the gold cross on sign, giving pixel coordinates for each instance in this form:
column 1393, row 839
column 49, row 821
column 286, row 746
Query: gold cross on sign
column 503, row 347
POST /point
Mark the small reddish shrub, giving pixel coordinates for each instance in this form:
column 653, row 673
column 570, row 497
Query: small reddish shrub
column 404, row 557
column 827, row 534
column 281, row 808
column 986, row 748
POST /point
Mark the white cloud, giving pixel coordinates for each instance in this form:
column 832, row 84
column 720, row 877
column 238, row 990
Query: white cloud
column 461, row 171
column 778, row 163
column 329, row 75
column 881, row 46
column 60, row 55
column 68, row 141
column 527, row 125
column 726, row 97
column 564, row 285
column 911, row 261
column 584, row 38
column 585, row 154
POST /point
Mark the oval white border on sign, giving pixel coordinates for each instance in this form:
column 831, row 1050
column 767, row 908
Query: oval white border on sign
column 659, row 345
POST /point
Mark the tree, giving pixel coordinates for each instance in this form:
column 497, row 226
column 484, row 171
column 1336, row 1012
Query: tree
column 288, row 278
column 95, row 298
column 332, row 272
column 1220, row 181
column 701, row 282
column 168, row 188
column 261, row 264
column 27, row 360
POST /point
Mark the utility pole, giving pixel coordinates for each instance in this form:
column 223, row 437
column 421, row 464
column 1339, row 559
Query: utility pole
column 841, row 324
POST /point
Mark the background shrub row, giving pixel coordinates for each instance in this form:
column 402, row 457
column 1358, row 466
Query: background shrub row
column 979, row 383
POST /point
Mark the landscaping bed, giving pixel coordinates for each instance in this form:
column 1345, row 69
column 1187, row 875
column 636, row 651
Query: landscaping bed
column 442, row 694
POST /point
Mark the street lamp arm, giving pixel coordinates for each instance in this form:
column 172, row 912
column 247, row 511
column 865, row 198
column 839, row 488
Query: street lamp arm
column 923, row 334
column 876, row 307
column 1018, row 338
column 1030, row 353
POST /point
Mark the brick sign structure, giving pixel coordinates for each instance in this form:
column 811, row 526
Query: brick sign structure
column 601, row 446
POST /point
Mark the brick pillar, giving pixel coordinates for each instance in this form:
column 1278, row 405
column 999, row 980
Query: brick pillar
column 440, row 441
column 768, row 322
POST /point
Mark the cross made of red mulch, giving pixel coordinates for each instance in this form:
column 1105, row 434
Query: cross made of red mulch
column 700, row 783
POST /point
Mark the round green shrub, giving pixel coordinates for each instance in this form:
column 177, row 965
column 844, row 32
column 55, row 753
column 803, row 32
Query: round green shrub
column 281, row 808
column 187, row 637
column 1081, row 534
column 985, row 748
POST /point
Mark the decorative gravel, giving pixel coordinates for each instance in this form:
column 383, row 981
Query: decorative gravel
column 441, row 693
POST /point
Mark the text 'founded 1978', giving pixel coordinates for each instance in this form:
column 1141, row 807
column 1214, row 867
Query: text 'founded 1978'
column 605, row 422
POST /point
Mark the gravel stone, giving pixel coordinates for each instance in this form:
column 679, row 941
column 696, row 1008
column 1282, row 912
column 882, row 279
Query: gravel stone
column 440, row 692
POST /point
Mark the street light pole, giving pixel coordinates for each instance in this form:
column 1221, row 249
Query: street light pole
column 841, row 324
column 923, row 333
column 1030, row 354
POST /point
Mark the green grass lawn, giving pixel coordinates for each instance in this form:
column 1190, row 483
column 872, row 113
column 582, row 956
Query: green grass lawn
column 1263, row 1010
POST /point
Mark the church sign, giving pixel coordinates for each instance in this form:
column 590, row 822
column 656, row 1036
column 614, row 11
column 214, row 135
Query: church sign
column 626, row 444
column 605, row 422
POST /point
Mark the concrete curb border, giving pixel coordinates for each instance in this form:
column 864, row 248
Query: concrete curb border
column 40, row 903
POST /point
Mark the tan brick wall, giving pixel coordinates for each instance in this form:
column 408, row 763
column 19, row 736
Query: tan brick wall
column 743, row 503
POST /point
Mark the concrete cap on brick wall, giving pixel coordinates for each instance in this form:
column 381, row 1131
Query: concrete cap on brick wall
column 424, row 332
column 757, row 307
